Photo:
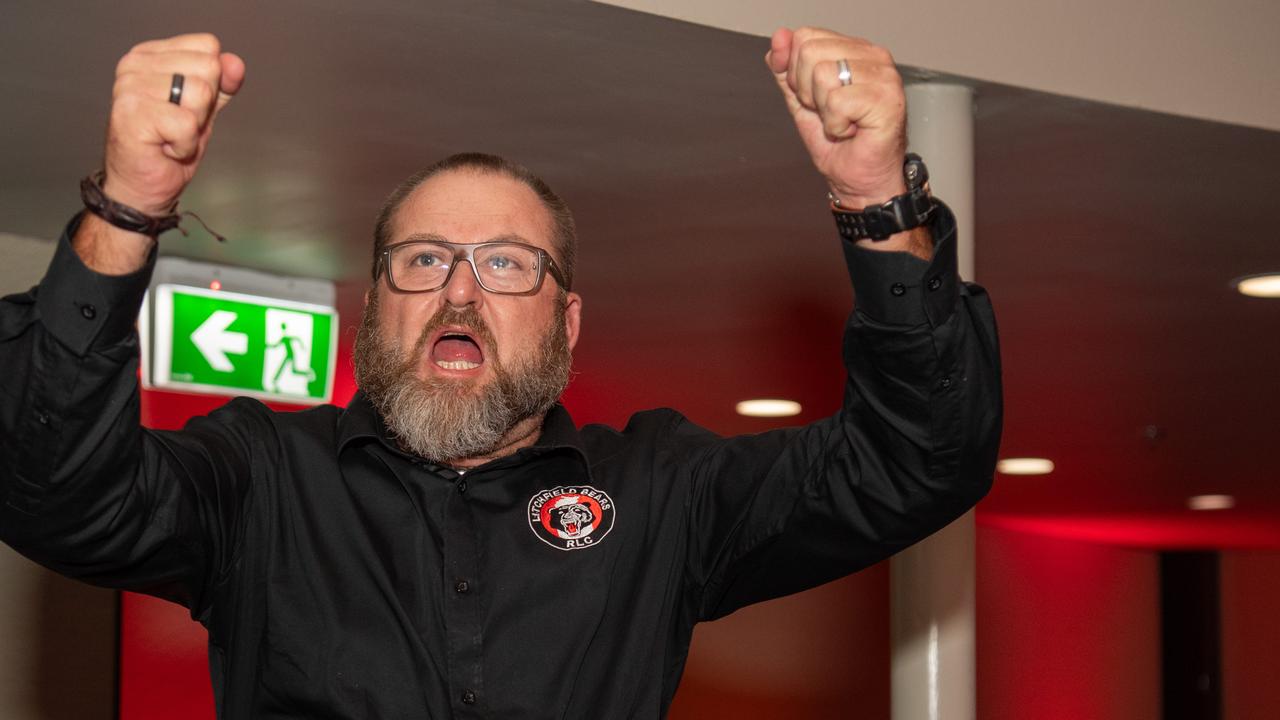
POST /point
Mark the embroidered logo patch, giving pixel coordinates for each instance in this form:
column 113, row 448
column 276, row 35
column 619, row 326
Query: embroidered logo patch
column 571, row 518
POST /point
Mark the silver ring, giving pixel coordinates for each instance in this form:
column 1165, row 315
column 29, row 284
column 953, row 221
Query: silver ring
column 175, row 89
column 846, row 77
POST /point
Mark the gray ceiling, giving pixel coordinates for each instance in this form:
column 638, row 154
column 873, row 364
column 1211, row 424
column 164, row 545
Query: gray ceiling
column 1107, row 236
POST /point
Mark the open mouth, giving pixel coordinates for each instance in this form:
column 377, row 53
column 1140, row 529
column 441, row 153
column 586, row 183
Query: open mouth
column 456, row 350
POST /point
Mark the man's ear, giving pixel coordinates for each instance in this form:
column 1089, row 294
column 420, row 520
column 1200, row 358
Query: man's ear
column 572, row 317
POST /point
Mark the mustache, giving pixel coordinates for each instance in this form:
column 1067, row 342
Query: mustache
column 468, row 319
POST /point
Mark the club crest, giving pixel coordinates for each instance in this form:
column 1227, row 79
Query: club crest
column 572, row 517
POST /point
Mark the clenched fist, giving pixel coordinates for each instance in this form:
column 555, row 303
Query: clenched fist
column 855, row 132
column 153, row 145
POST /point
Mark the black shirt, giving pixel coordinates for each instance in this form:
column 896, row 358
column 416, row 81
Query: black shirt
column 342, row 578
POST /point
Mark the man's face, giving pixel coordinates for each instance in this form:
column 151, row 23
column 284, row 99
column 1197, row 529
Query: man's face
column 462, row 360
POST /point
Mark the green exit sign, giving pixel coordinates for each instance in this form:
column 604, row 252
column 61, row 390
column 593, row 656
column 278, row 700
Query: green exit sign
column 230, row 343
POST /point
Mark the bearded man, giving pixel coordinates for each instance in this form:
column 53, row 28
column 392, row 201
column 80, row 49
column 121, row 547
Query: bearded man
column 450, row 544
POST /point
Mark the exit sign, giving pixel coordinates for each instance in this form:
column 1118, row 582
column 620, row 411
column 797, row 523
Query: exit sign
column 231, row 343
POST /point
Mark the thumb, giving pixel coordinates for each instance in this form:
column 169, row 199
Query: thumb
column 233, row 72
column 779, row 55
column 779, row 60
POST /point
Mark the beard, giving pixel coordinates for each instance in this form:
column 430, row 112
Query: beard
column 447, row 419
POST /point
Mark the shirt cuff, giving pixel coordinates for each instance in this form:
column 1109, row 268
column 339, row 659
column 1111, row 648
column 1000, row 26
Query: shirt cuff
column 898, row 288
column 83, row 308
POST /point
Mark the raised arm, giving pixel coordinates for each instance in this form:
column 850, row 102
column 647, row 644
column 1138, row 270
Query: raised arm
column 914, row 443
column 83, row 489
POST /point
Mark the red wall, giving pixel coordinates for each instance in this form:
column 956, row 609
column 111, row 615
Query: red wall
column 1250, row 634
column 820, row 654
column 1066, row 629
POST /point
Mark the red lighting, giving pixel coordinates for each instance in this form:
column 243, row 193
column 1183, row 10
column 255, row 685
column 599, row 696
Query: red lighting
column 215, row 285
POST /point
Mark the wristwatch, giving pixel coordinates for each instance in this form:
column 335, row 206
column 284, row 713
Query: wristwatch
column 903, row 212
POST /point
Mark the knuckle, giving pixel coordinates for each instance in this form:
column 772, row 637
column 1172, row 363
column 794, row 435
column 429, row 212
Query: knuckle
column 126, row 104
column 187, row 123
column 207, row 42
column 805, row 48
column 841, row 103
column 834, row 124
column 198, row 90
column 127, row 62
column 211, row 67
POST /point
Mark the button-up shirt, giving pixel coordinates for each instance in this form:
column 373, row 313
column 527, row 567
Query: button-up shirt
column 341, row 577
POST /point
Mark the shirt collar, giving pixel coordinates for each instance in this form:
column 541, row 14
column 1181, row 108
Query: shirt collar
column 361, row 420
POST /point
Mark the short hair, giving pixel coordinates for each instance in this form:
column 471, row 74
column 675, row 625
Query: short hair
column 564, row 234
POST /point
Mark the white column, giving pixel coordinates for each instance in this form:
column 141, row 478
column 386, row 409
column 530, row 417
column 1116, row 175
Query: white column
column 932, row 583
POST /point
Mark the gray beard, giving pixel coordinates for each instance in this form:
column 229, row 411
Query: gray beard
column 450, row 420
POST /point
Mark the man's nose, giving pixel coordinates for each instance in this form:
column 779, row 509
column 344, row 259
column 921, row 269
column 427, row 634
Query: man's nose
column 463, row 288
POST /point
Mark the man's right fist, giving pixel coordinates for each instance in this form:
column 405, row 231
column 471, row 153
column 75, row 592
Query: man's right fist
column 153, row 145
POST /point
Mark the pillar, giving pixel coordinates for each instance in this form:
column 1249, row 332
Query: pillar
column 932, row 582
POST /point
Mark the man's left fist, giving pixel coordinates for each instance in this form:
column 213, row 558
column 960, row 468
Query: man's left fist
column 855, row 132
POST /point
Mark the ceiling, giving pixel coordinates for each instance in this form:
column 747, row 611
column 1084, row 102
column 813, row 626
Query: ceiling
column 1107, row 237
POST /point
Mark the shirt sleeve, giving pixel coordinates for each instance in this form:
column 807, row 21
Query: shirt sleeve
column 84, row 489
column 911, row 449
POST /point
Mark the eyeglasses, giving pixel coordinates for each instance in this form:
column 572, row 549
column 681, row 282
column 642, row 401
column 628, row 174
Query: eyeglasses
column 504, row 267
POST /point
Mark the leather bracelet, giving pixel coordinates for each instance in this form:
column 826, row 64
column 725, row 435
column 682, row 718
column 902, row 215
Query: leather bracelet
column 123, row 216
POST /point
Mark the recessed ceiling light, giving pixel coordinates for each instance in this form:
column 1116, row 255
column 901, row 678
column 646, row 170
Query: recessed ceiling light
column 767, row 407
column 1263, row 286
column 1025, row 466
column 1211, row 502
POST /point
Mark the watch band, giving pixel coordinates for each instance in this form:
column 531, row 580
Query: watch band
column 900, row 213
column 123, row 216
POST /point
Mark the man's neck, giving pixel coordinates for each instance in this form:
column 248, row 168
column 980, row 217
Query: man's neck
column 522, row 435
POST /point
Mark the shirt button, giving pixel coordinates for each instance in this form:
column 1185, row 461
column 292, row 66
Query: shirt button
column 88, row 311
column 462, row 486
column 42, row 418
column 468, row 697
column 462, row 586
column 946, row 383
column 935, row 283
column 898, row 289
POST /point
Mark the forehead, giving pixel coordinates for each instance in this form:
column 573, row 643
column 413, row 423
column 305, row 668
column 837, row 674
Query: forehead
column 465, row 206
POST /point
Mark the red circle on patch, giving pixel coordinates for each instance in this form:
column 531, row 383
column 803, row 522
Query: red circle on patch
column 571, row 530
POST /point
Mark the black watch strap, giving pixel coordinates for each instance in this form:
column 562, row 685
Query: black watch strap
column 123, row 216
column 903, row 212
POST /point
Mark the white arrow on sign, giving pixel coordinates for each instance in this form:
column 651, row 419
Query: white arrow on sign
column 214, row 341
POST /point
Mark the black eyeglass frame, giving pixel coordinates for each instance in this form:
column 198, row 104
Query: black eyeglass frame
column 464, row 251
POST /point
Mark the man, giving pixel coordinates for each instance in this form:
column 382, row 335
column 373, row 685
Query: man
column 450, row 545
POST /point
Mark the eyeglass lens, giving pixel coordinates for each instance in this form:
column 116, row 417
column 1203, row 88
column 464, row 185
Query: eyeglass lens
column 502, row 267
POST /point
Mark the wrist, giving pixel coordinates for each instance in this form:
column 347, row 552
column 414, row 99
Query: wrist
column 917, row 241
column 848, row 199
column 109, row 250
column 866, row 216
column 145, row 203
column 122, row 216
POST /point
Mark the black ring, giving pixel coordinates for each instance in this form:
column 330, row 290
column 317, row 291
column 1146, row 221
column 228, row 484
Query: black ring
column 175, row 89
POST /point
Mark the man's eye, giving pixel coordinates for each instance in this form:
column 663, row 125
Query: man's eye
column 502, row 262
column 425, row 260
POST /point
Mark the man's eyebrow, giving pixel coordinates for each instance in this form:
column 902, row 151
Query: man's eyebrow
column 434, row 237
